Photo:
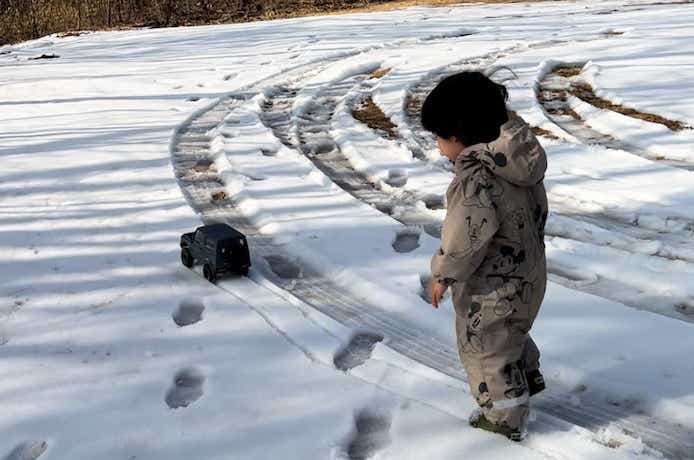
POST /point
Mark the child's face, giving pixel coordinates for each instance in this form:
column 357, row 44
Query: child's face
column 450, row 148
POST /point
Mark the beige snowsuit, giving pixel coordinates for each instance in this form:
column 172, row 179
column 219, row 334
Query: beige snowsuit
column 493, row 253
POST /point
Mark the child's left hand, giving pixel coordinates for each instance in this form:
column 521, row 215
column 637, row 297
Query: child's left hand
column 436, row 291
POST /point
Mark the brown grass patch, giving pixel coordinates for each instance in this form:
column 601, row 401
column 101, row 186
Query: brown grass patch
column 567, row 71
column 380, row 73
column 546, row 97
column 219, row 196
column 585, row 92
column 543, row 132
column 372, row 116
column 398, row 4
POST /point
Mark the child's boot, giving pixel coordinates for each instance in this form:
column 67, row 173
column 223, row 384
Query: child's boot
column 478, row 420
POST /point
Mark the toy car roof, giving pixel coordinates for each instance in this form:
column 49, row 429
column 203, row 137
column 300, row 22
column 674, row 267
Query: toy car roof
column 221, row 232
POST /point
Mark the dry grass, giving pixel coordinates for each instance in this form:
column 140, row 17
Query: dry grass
column 219, row 196
column 398, row 4
column 546, row 97
column 543, row 132
column 379, row 73
column 372, row 116
column 567, row 71
column 586, row 93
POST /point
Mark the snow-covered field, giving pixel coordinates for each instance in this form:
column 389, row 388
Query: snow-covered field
column 97, row 185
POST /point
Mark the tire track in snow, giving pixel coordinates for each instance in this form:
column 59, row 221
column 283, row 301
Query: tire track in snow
column 553, row 96
column 312, row 137
column 189, row 149
column 420, row 142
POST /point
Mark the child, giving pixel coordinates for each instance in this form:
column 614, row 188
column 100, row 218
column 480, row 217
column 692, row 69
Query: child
column 492, row 252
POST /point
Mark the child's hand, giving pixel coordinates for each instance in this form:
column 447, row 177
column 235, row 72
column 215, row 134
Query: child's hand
column 436, row 291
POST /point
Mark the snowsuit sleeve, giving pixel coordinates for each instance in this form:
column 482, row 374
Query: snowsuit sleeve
column 471, row 222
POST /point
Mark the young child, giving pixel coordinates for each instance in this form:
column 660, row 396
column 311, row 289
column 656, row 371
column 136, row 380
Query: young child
column 492, row 253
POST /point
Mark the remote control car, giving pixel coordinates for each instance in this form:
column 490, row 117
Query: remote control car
column 219, row 248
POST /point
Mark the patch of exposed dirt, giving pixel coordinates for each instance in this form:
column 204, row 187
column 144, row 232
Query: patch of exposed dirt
column 554, row 103
column 380, row 73
column 543, row 132
column 219, row 196
column 568, row 71
column 394, row 5
column 586, row 93
column 372, row 116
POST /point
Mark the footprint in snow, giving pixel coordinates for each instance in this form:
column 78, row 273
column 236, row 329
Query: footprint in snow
column 186, row 388
column 193, row 99
column 396, row 178
column 30, row 450
column 269, row 152
column 434, row 202
column 229, row 76
column 406, row 241
column 357, row 351
column 371, row 434
column 189, row 312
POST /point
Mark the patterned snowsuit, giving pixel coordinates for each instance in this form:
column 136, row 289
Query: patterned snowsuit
column 493, row 253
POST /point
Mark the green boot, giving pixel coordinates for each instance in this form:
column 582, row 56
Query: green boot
column 478, row 420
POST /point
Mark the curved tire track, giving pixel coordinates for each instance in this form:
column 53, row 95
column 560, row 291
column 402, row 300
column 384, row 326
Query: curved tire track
column 554, row 98
column 312, row 137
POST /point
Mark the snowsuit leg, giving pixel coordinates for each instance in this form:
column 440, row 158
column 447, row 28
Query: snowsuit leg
column 531, row 355
column 493, row 343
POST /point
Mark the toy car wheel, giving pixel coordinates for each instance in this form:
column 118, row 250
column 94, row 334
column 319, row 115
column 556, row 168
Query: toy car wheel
column 186, row 258
column 208, row 273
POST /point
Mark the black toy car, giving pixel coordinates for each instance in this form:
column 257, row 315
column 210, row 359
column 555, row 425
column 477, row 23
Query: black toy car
column 219, row 247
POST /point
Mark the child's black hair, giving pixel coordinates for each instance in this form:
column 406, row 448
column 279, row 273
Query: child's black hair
column 467, row 105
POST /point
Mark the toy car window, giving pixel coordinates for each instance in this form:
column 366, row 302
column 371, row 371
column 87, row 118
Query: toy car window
column 199, row 237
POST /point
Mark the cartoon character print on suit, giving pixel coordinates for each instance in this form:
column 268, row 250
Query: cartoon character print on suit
column 483, row 398
column 483, row 193
column 516, row 384
column 474, row 334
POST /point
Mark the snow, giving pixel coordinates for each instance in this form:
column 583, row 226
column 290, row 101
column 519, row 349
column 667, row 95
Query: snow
column 94, row 295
